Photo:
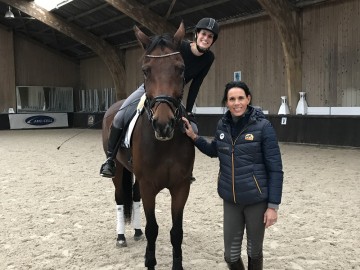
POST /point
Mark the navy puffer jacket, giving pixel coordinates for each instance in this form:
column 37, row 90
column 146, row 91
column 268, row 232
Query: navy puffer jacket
column 250, row 163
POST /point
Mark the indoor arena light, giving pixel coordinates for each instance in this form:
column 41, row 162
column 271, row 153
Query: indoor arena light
column 9, row 14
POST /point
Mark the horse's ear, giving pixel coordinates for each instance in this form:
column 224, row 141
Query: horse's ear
column 179, row 35
column 142, row 37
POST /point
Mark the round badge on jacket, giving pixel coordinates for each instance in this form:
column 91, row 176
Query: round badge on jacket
column 222, row 136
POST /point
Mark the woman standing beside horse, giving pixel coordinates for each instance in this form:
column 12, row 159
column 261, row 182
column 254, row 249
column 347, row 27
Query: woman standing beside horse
column 250, row 176
column 197, row 58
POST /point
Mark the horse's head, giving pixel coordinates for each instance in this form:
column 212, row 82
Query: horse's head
column 163, row 69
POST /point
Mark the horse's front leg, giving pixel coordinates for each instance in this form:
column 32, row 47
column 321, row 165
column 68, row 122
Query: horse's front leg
column 151, row 228
column 178, row 200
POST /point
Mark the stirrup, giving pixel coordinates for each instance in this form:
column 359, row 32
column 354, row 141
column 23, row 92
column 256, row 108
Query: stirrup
column 108, row 168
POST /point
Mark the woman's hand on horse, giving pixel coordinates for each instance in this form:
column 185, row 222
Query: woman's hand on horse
column 188, row 129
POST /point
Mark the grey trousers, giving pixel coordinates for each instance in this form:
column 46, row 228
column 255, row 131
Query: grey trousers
column 118, row 121
column 237, row 218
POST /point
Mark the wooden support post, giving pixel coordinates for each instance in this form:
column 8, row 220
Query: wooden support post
column 282, row 14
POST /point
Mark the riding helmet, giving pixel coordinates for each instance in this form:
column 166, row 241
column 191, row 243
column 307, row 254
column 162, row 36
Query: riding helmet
column 208, row 24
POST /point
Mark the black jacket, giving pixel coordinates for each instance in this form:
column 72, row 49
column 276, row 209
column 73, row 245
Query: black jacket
column 250, row 161
column 196, row 69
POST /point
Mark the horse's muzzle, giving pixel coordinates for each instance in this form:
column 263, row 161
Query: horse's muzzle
column 162, row 138
column 164, row 131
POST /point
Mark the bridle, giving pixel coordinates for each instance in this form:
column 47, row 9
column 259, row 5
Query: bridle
column 161, row 56
column 173, row 103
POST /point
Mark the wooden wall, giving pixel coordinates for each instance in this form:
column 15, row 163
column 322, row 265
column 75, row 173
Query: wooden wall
column 254, row 48
column 331, row 54
column 330, row 38
column 94, row 74
column 7, row 71
column 23, row 62
column 134, row 75
column 36, row 65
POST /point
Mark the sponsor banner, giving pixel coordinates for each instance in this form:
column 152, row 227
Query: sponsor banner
column 40, row 120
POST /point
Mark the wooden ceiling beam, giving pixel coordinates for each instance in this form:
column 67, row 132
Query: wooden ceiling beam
column 78, row 16
column 170, row 9
column 198, row 7
column 141, row 14
column 113, row 19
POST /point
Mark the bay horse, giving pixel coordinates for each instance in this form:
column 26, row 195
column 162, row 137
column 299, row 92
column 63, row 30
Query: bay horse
column 161, row 155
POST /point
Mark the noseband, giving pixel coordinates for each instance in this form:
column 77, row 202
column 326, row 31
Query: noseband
column 173, row 103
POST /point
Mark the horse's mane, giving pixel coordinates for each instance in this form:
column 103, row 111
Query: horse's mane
column 164, row 41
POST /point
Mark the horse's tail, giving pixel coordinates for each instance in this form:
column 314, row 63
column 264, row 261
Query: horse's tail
column 127, row 182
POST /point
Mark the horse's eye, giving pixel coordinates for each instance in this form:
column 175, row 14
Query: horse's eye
column 181, row 70
column 146, row 71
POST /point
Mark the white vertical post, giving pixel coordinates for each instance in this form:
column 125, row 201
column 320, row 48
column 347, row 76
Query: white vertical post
column 284, row 108
column 302, row 106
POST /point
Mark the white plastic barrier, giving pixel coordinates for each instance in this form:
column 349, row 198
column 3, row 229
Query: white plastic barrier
column 215, row 110
column 209, row 110
column 333, row 110
column 318, row 110
column 345, row 110
column 39, row 120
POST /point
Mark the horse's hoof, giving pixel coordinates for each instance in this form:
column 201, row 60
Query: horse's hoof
column 150, row 260
column 121, row 243
column 177, row 264
column 139, row 237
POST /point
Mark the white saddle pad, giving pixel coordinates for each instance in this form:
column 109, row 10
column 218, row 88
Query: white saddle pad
column 131, row 126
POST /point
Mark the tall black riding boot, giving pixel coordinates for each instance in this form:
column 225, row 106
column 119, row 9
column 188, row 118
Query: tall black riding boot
column 239, row 265
column 255, row 264
column 108, row 168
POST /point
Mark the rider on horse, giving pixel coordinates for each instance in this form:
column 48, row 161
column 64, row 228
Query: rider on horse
column 197, row 58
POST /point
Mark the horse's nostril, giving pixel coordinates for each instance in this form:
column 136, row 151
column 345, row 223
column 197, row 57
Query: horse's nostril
column 154, row 123
column 172, row 122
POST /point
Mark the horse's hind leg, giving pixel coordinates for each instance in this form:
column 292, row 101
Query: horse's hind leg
column 136, row 214
column 123, row 197
column 120, row 226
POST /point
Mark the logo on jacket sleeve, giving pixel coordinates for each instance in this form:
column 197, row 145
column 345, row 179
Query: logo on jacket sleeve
column 249, row 137
column 222, row 136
